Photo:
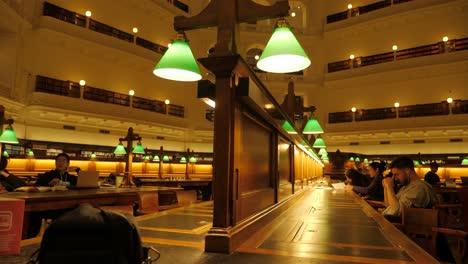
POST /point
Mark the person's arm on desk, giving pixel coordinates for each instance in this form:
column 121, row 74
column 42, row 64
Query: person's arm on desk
column 393, row 206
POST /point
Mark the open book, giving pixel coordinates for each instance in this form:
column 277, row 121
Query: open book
column 33, row 189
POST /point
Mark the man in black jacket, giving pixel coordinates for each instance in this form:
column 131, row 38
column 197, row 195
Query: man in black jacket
column 60, row 175
column 8, row 181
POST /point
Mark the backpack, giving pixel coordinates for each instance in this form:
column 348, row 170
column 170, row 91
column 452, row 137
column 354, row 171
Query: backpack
column 90, row 235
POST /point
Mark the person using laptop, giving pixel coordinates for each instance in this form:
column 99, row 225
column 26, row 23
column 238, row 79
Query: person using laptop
column 60, row 175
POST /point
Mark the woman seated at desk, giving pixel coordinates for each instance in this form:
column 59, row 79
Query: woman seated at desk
column 375, row 189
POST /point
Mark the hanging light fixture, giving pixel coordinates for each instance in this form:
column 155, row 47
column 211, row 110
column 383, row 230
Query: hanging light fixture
column 156, row 158
column 312, row 127
column 183, row 160
column 323, row 151
column 120, row 149
column 192, row 159
column 178, row 62
column 138, row 149
column 288, row 128
column 464, row 161
column 9, row 136
column 319, row 143
column 283, row 53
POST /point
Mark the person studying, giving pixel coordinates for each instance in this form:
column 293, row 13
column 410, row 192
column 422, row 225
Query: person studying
column 60, row 175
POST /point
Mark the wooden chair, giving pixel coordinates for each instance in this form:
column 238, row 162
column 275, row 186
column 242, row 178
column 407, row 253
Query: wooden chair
column 460, row 251
column 185, row 198
column 418, row 224
column 148, row 202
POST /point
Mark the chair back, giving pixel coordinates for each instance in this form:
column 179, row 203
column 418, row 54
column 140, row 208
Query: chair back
column 417, row 224
column 148, row 202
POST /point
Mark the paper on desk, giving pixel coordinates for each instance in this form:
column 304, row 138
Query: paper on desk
column 339, row 185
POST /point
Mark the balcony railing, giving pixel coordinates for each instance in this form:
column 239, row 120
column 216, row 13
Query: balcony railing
column 426, row 50
column 74, row 90
column 83, row 21
column 419, row 110
column 360, row 10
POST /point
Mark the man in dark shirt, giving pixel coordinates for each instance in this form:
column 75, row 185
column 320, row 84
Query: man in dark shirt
column 60, row 175
column 8, row 181
column 431, row 177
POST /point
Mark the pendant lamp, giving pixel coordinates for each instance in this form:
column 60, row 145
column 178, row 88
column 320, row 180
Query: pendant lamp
column 9, row 136
column 120, row 149
column 156, row 158
column 138, row 149
column 283, row 53
column 464, row 161
column 178, row 62
column 319, row 143
column 323, row 151
column 192, row 159
column 5, row 154
column 288, row 128
column 183, row 160
column 312, row 127
column 166, row 158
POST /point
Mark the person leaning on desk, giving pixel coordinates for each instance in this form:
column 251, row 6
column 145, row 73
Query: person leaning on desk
column 8, row 182
column 60, row 175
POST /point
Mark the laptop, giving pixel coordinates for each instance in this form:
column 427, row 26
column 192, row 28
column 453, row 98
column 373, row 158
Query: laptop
column 464, row 180
column 86, row 180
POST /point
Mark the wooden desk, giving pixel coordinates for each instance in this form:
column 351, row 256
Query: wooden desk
column 46, row 201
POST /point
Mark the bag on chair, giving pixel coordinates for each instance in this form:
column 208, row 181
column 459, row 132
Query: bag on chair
column 90, row 235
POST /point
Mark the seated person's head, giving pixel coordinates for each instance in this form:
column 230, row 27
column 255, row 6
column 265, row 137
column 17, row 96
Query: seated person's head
column 402, row 169
column 434, row 166
column 375, row 168
column 355, row 178
column 62, row 161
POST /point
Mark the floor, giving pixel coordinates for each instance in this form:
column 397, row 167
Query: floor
column 324, row 226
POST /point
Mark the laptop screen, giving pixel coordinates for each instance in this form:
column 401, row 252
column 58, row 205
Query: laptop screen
column 87, row 179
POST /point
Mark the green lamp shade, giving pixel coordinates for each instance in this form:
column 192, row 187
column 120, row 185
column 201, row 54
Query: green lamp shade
column 178, row 64
column 304, row 143
column 138, row 149
column 288, row 128
column 323, row 151
column 192, row 159
column 416, row 163
column 30, row 153
column 93, row 156
column 120, row 150
column 156, row 158
column 319, row 143
column 146, row 158
column 312, row 127
column 165, row 158
column 5, row 154
column 351, row 159
column 283, row 53
column 366, row 160
column 8, row 136
column 358, row 159
column 324, row 156
column 464, row 161
column 183, row 160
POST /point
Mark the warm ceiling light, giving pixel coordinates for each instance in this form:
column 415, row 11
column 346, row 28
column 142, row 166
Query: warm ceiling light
column 396, row 104
column 350, row 6
column 394, row 47
column 450, row 100
column 131, row 92
column 209, row 101
column 312, row 127
column 445, row 39
column 82, row 82
column 178, row 63
column 283, row 53
column 88, row 13
column 353, row 109
column 293, row 14
column 351, row 57
column 135, row 30
column 257, row 57
column 167, row 101
column 269, row 106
